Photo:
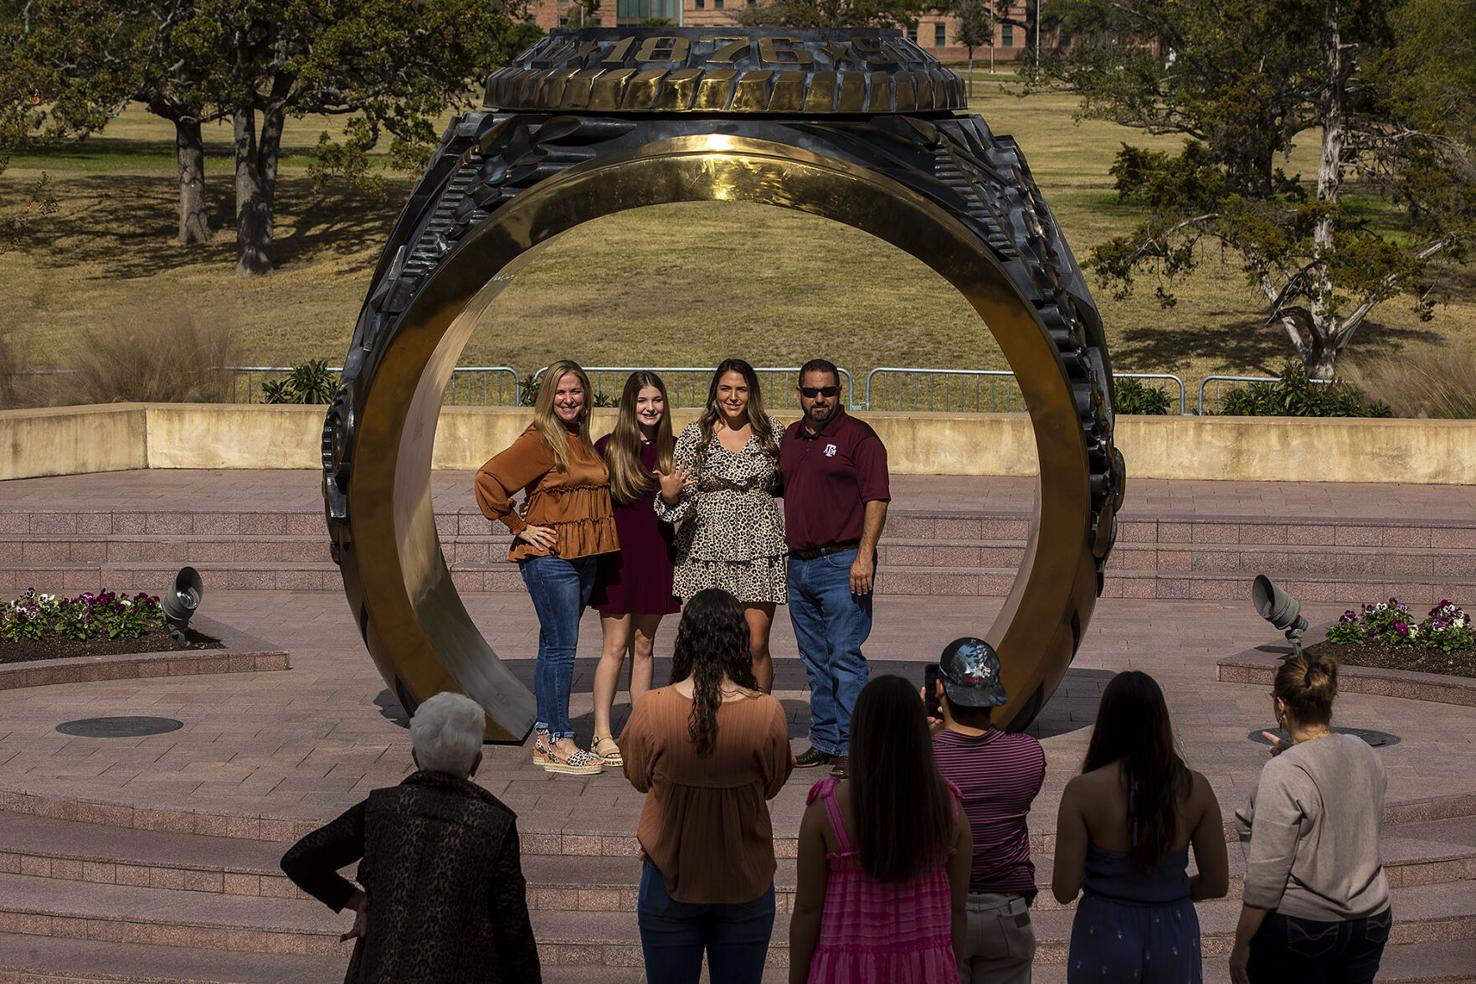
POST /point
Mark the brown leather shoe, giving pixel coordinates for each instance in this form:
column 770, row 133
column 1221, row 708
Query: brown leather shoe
column 811, row 757
column 840, row 765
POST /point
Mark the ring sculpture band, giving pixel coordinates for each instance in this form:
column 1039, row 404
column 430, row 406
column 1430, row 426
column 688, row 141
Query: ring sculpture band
column 857, row 126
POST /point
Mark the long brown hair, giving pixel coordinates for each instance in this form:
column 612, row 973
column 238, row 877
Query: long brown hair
column 904, row 811
column 757, row 419
column 1307, row 684
column 628, row 478
column 1133, row 728
column 547, row 423
column 711, row 642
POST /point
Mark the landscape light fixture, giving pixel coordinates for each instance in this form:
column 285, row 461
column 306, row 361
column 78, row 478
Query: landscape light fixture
column 181, row 600
column 1280, row 609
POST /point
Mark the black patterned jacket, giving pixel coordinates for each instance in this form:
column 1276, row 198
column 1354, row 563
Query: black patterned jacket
column 445, row 884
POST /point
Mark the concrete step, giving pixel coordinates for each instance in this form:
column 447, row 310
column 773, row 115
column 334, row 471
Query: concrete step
column 1342, row 589
column 959, row 581
column 155, row 916
column 953, row 517
column 467, row 522
column 46, row 848
column 52, row 960
column 1403, row 963
column 1289, row 561
column 1424, row 854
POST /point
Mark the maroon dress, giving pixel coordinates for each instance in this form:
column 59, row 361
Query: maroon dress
column 637, row 580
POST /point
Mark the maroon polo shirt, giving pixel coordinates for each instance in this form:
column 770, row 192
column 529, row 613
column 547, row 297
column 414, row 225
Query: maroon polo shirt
column 828, row 479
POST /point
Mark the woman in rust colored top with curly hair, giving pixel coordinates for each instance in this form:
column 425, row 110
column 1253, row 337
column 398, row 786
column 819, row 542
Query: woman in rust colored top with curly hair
column 566, row 521
column 709, row 751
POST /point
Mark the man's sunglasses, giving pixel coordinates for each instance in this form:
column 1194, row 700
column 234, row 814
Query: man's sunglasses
column 814, row 391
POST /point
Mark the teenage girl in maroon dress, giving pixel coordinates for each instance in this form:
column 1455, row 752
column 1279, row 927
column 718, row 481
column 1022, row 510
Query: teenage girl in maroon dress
column 633, row 587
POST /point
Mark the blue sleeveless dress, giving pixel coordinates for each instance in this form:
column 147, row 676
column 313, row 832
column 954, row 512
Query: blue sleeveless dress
column 1131, row 927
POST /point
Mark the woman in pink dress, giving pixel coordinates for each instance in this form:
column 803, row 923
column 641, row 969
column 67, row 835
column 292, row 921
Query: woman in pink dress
column 633, row 587
column 884, row 857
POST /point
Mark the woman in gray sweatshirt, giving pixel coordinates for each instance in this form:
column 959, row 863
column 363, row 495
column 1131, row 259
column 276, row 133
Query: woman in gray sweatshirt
column 1316, row 903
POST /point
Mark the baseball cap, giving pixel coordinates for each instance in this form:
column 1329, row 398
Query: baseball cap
column 969, row 668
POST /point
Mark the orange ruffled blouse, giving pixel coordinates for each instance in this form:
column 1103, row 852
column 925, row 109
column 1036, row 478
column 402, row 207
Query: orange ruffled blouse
column 575, row 503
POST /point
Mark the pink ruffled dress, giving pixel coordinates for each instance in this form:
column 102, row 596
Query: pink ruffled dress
column 877, row 933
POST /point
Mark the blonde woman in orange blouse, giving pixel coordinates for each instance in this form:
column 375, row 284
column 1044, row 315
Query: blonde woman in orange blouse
column 566, row 521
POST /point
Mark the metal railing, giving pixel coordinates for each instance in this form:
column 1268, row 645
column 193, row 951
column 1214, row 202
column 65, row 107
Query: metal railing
column 686, row 386
column 499, row 386
column 1217, row 382
column 1160, row 377
column 904, row 388
column 492, row 385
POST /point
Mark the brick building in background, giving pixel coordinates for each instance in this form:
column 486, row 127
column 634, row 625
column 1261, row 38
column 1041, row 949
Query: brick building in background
column 935, row 33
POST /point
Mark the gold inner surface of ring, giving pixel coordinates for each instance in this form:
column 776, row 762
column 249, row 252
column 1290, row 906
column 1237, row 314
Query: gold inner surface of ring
column 417, row 629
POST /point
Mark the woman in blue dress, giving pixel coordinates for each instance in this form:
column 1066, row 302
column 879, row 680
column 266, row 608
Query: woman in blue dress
column 1123, row 836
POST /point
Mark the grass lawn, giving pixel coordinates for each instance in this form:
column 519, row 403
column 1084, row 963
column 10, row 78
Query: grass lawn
column 654, row 287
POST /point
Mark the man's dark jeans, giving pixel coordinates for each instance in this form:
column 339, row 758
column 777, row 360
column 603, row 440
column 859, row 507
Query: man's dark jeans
column 1288, row 950
column 675, row 934
column 830, row 625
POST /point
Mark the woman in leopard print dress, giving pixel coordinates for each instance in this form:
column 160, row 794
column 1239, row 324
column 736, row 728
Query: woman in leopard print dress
column 721, row 491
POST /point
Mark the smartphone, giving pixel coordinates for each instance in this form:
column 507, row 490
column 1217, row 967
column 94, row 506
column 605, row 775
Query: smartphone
column 930, row 690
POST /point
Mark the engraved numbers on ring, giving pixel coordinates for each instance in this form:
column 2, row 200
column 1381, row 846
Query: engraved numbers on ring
column 663, row 49
column 728, row 49
column 770, row 53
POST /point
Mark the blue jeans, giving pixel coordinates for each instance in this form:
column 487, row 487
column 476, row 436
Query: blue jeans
column 830, row 624
column 560, row 591
column 675, row 934
column 1288, row 950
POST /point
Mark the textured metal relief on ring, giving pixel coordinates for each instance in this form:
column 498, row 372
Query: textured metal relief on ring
column 858, row 126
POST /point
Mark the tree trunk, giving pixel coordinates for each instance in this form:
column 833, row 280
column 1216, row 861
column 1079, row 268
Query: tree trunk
column 253, row 207
column 194, row 222
column 1329, row 185
column 1322, row 363
column 269, row 150
column 971, row 72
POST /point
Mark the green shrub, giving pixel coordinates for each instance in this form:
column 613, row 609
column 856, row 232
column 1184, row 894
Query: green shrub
column 311, row 382
column 1294, row 395
column 1134, row 397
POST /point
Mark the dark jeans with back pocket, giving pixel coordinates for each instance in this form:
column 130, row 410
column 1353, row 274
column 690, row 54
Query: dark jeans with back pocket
column 1288, row 950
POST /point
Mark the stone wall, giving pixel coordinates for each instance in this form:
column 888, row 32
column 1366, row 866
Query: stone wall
column 74, row 440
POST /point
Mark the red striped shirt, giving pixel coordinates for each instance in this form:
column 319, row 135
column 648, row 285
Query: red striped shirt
column 999, row 775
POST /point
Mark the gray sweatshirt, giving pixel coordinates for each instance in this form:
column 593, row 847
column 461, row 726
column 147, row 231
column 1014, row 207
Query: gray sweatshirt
column 1310, row 832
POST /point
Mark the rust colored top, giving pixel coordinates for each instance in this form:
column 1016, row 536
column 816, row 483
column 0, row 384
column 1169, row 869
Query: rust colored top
column 706, row 824
column 575, row 503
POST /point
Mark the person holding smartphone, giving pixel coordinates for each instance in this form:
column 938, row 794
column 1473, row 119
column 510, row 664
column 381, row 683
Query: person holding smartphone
column 999, row 776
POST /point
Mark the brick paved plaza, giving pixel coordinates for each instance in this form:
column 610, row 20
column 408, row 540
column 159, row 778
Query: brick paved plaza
column 154, row 858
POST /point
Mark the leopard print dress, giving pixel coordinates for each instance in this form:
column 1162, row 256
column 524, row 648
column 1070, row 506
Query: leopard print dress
column 730, row 531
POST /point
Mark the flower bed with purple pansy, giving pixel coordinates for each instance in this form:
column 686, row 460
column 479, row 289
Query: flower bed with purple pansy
column 46, row 626
column 1389, row 634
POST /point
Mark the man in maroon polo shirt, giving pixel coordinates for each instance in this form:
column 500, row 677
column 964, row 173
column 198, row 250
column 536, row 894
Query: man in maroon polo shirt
column 835, row 505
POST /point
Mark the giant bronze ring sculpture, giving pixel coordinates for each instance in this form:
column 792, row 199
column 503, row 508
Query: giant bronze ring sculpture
column 858, row 126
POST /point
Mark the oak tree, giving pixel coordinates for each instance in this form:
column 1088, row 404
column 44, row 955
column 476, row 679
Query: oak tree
column 1241, row 81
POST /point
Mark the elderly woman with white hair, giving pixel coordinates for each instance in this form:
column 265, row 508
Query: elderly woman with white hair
column 440, row 894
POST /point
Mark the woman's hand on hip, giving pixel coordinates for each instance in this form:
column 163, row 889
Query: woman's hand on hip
column 544, row 538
